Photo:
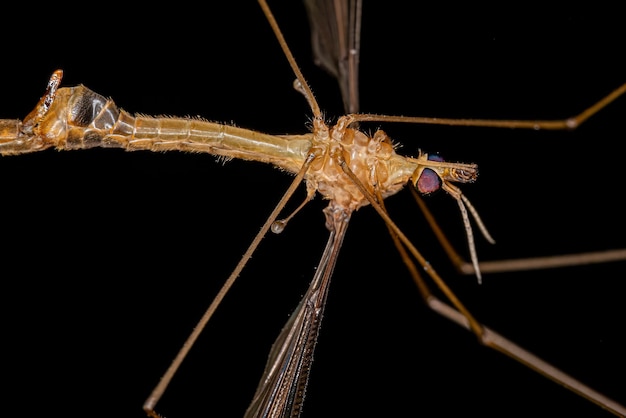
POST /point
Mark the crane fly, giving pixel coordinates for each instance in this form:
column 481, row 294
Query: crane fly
column 111, row 203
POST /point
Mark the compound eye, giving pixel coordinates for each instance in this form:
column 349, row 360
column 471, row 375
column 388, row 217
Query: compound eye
column 429, row 181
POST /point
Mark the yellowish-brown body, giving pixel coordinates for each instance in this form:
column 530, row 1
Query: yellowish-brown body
column 78, row 118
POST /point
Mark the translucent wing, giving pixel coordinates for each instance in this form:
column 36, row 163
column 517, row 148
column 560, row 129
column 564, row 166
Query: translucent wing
column 335, row 38
column 283, row 385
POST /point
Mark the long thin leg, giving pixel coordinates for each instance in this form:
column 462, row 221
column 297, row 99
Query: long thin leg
column 492, row 339
column 157, row 392
column 559, row 124
column 520, row 264
column 460, row 315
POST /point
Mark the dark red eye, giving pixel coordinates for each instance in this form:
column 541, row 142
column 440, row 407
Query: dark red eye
column 429, row 181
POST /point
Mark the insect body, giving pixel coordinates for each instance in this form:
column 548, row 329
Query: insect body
column 359, row 200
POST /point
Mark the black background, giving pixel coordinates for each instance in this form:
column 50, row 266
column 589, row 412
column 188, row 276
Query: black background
column 109, row 258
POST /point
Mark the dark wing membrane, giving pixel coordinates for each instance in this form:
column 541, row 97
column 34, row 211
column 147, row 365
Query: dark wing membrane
column 335, row 37
column 280, row 393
